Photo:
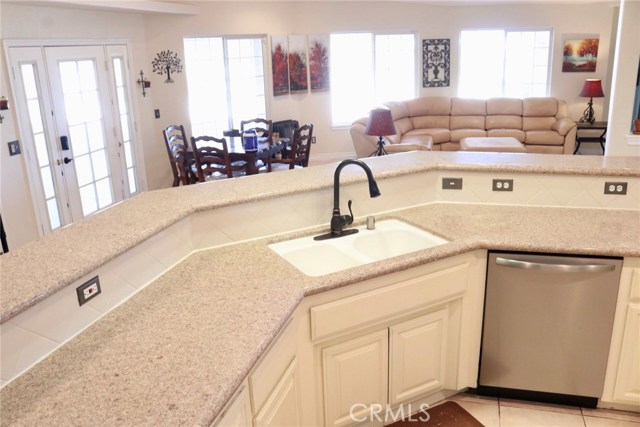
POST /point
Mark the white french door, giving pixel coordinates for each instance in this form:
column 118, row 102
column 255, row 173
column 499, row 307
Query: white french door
column 75, row 117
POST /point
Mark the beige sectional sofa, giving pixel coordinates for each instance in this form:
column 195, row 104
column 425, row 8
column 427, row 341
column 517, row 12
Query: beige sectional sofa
column 439, row 123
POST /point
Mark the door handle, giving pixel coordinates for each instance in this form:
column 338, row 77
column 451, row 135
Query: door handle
column 564, row 268
column 67, row 160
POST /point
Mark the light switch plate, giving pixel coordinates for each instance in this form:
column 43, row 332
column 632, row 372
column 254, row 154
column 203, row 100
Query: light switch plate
column 14, row 147
column 452, row 183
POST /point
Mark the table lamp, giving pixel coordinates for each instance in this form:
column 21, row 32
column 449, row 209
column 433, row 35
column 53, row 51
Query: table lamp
column 380, row 124
column 592, row 89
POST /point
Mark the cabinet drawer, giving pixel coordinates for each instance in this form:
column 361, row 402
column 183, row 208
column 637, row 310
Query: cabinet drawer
column 273, row 365
column 385, row 303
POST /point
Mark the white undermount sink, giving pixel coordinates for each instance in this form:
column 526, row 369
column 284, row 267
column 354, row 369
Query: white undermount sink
column 390, row 238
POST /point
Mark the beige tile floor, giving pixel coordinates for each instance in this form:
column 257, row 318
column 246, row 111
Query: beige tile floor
column 494, row 412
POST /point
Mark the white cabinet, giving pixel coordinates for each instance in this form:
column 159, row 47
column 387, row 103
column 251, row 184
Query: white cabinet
column 282, row 407
column 355, row 377
column 622, row 383
column 407, row 338
column 418, row 356
column 237, row 413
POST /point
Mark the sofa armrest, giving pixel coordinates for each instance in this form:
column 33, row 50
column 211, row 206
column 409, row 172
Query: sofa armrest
column 563, row 126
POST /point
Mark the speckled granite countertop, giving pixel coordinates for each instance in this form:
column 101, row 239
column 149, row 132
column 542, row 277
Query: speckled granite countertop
column 176, row 351
column 30, row 273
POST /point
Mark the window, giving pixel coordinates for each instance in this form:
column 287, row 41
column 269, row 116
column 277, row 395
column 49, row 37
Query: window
column 504, row 63
column 367, row 69
column 225, row 77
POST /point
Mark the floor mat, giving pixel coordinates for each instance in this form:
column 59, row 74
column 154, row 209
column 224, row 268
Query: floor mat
column 448, row 414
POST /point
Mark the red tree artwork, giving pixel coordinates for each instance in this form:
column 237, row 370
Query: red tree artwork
column 298, row 64
column 318, row 64
column 280, row 67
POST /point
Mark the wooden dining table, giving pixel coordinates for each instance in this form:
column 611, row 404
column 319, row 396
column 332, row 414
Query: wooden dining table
column 238, row 153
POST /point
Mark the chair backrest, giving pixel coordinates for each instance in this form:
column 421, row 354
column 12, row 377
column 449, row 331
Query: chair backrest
column 176, row 143
column 265, row 124
column 211, row 156
column 301, row 145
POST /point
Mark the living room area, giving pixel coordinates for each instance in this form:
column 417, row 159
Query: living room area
column 149, row 28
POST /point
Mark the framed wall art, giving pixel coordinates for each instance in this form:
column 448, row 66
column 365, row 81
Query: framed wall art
column 280, row 65
column 435, row 62
column 319, row 62
column 580, row 54
column 298, row 80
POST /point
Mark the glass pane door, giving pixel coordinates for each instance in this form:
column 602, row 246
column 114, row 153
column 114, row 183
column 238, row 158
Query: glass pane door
column 79, row 90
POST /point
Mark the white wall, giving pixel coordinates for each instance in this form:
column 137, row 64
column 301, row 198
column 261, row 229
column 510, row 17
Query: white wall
column 152, row 33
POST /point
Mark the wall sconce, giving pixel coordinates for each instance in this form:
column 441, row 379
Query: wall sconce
column 145, row 83
column 4, row 105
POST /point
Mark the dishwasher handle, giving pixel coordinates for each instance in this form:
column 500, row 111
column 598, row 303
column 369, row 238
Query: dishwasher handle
column 559, row 268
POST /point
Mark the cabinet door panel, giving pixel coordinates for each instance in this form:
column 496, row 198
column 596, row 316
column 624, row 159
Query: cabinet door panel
column 417, row 360
column 238, row 414
column 282, row 407
column 355, row 377
column 627, row 388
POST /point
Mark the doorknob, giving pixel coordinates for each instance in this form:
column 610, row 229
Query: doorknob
column 67, row 160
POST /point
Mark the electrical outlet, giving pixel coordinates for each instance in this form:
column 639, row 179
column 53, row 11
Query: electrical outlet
column 502, row 185
column 452, row 183
column 615, row 188
column 313, row 139
column 88, row 290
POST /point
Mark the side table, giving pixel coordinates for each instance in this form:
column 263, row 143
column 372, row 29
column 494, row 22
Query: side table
column 591, row 126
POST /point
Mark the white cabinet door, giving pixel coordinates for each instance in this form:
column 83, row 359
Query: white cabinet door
column 627, row 388
column 282, row 407
column 238, row 414
column 418, row 356
column 355, row 378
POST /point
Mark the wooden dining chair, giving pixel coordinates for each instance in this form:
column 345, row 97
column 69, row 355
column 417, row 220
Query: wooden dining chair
column 258, row 123
column 181, row 160
column 297, row 156
column 212, row 159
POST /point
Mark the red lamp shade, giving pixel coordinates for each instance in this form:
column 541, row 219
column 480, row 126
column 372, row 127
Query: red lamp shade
column 380, row 123
column 592, row 89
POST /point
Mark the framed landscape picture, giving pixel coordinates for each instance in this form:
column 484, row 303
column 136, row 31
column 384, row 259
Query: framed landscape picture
column 298, row 81
column 580, row 55
column 319, row 62
column 280, row 65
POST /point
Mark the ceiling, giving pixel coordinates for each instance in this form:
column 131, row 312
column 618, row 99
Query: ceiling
column 191, row 7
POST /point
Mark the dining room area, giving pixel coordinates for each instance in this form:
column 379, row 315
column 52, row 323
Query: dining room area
column 258, row 146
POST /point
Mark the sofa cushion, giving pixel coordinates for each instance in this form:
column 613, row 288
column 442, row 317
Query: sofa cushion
column 538, row 123
column 412, row 142
column 430, row 122
column 514, row 133
column 458, row 134
column 466, row 122
column 403, row 125
column 504, row 122
column 539, row 107
column 398, row 109
column 468, row 107
column 508, row 106
column 429, row 106
column 543, row 137
column 438, row 135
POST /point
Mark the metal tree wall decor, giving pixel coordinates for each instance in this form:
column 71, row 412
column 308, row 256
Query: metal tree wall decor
column 167, row 62
column 435, row 62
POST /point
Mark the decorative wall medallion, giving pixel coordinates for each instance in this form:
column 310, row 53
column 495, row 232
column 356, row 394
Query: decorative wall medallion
column 435, row 62
column 167, row 62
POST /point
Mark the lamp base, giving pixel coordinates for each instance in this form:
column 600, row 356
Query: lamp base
column 588, row 116
column 380, row 151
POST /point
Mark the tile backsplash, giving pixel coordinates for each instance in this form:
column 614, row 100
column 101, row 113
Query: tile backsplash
column 33, row 334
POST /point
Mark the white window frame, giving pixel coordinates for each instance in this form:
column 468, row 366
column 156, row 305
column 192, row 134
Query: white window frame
column 267, row 81
column 506, row 31
column 373, row 34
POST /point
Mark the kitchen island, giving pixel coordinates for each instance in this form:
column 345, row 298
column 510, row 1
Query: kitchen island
column 175, row 352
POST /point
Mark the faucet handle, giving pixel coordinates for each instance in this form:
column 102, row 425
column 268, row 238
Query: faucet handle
column 349, row 218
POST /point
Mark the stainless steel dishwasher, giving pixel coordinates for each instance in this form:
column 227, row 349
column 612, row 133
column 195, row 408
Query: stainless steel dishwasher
column 547, row 327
